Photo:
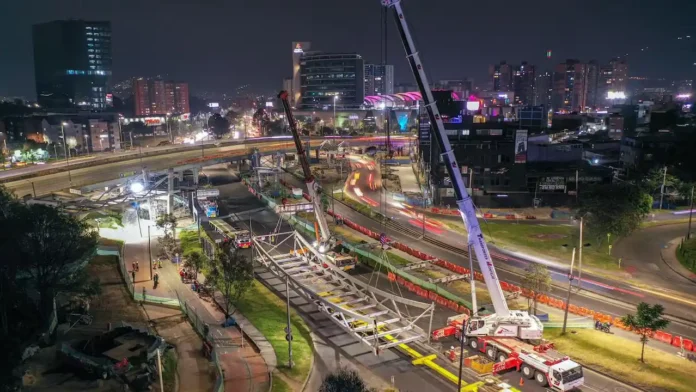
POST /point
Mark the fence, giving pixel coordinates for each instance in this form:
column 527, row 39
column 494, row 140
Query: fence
column 198, row 325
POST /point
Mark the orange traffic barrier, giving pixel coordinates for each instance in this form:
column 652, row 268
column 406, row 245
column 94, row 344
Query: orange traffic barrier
column 663, row 337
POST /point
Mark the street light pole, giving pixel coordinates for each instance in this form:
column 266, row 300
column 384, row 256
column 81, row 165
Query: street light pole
column 65, row 150
column 580, row 256
column 335, row 98
column 149, row 250
column 662, row 189
column 691, row 212
column 570, row 285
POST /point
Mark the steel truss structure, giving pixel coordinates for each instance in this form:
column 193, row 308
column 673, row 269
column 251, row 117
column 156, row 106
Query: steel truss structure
column 377, row 318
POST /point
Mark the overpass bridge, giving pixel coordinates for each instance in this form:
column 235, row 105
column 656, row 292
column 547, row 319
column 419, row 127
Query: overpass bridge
column 102, row 174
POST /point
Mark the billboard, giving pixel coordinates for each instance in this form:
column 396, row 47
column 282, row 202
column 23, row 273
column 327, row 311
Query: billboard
column 521, row 146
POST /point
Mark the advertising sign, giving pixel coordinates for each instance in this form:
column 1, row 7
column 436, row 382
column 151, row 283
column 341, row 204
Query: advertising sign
column 551, row 184
column 521, row 146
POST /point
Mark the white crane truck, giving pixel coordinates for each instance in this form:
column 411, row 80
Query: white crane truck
column 504, row 335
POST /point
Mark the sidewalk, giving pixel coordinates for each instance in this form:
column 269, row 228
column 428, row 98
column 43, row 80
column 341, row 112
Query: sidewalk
column 194, row 371
column 669, row 256
column 244, row 368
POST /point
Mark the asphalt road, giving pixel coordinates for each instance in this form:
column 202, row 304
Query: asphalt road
column 598, row 293
column 99, row 172
column 640, row 255
column 235, row 198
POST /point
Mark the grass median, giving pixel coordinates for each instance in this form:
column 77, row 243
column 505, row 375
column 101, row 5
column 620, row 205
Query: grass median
column 266, row 311
column 544, row 240
column 686, row 254
column 618, row 357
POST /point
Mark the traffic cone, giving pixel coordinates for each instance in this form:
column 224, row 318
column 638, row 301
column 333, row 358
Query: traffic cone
column 521, row 381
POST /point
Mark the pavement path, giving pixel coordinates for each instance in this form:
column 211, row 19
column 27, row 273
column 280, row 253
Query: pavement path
column 243, row 366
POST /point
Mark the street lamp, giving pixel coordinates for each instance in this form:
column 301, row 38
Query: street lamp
column 335, row 98
column 65, row 150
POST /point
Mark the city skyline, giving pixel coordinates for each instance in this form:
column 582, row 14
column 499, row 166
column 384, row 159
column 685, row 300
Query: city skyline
column 263, row 61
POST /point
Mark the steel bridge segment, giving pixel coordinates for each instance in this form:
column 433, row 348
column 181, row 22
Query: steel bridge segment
column 367, row 313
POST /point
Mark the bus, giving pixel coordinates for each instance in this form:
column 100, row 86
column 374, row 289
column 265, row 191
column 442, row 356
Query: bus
column 239, row 237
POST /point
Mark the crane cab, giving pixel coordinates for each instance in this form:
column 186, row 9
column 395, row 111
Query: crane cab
column 518, row 324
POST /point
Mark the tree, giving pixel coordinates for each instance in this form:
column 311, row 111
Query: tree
column 235, row 275
column 538, row 279
column 218, row 125
column 618, row 209
column 40, row 246
column 647, row 320
column 343, row 380
column 194, row 258
column 167, row 222
column 51, row 246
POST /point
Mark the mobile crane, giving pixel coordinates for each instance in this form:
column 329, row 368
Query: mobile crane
column 504, row 335
column 325, row 240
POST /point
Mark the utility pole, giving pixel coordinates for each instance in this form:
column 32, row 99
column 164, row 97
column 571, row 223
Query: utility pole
column 580, row 246
column 65, row 149
column 149, row 249
column 474, row 310
column 577, row 189
column 691, row 212
column 570, row 285
column 662, row 189
column 288, row 330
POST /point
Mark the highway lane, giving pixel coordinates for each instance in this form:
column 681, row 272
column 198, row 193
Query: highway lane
column 235, row 198
column 605, row 296
column 678, row 300
column 44, row 184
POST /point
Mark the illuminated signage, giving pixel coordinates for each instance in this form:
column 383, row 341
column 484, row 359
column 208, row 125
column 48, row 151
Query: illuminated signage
column 269, row 104
column 616, row 95
column 298, row 48
column 213, row 105
column 473, row 105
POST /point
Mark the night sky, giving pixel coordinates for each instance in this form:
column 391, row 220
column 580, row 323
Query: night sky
column 217, row 45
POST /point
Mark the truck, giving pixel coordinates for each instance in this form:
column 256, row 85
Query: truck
column 506, row 334
column 241, row 239
column 540, row 361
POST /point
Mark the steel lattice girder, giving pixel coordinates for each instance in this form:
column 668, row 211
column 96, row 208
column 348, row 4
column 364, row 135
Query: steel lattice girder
column 367, row 313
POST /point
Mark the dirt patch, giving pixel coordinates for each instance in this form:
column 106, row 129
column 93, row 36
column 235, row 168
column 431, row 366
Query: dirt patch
column 547, row 236
column 115, row 303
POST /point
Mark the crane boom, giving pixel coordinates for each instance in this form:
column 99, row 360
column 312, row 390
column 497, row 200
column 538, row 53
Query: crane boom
column 312, row 189
column 464, row 201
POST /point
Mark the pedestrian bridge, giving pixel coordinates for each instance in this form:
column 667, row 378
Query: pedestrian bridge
column 379, row 319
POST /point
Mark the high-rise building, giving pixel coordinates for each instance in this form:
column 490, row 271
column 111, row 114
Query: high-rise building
column 462, row 87
column 156, row 96
column 72, row 63
column 379, row 79
column 298, row 50
column 575, row 86
column 501, row 76
column 543, row 89
column 523, row 83
column 324, row 76
column 613, row 77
